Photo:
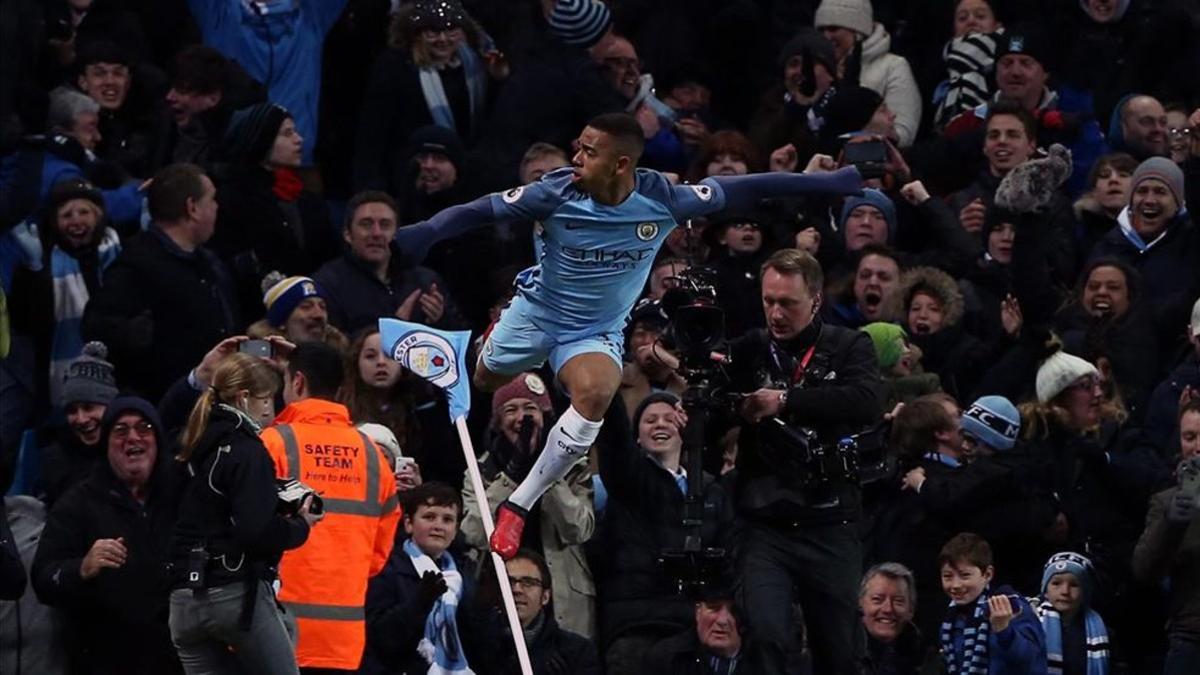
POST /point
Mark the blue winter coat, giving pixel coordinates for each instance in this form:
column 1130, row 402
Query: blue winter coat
column 279, row 45
column 1019, row 649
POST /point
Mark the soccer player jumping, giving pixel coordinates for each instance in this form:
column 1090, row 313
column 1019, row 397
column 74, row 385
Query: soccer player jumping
column 604, row 220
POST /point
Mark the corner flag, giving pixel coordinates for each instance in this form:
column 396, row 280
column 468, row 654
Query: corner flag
column 436, row 355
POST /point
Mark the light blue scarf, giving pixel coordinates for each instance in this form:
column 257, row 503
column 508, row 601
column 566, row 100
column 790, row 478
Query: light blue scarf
column 1094, row 630
column 70, row 299
column 441, row 646
column 435, row 93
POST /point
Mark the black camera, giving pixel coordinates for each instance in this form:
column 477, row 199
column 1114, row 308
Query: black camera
column 697, row 322
column 292, row 494
column 798, row 455
column 869, row 157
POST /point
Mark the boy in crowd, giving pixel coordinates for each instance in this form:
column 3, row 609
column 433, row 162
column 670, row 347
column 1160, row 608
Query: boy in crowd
column 412, row 605
column 986, row 630
column 1076, row 637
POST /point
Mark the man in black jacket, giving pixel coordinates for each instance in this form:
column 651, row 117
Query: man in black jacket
column 552, row 649
column 166, row 299
column 375, row 278
column 102, row 553
column 714, row 646
column 802, row 377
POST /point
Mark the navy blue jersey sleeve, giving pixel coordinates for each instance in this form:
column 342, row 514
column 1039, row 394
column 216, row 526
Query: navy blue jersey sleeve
column 415, row 240
column 742, row 193
column 534, row 201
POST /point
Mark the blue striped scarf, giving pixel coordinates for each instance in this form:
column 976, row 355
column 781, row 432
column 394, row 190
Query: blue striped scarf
column 973, row 658
column 70, row 299
column 435, row 93
column 1094, row 630
column 440, row 646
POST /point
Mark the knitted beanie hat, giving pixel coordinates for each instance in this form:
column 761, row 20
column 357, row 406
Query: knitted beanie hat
column 74, row 188
column 90, row 378
column 437, row 140
column 282, row 295
column 888, row 339
column 1163, row 169
column 993, row 420
column 849, row 110
column 1070, row 563
column 809, row 42
column 1059, row 371
column 872, row 197
column 525, row 385
column 252, row 132
column 856, row 15
column 579, row 22
column 437, row 15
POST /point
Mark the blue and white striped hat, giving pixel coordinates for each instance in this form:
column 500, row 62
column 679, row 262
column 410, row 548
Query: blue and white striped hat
column 579, row 22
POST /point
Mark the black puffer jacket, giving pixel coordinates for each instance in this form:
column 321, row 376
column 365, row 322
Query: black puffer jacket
column 644, row 516
column 118, row 620
column 1103, row 481
column 229, row 504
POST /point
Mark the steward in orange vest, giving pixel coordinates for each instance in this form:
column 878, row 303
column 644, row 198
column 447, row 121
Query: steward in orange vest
column 324, row 582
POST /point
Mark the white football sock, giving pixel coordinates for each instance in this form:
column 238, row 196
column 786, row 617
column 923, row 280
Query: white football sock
column 567, row 441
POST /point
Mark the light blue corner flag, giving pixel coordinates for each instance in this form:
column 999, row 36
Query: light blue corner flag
column 439, row 356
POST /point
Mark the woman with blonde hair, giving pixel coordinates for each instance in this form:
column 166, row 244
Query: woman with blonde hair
column 231, row 533
column 440, row 68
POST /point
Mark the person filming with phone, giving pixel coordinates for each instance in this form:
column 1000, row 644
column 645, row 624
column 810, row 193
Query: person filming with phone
column 1170, row 547
column 232, row 530
column 807, row 385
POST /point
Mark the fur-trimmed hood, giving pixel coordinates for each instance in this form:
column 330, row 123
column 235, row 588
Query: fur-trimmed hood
column 939, row 284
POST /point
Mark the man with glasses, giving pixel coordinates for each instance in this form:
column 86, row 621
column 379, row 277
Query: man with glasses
column 103, row 552
column 551, row 648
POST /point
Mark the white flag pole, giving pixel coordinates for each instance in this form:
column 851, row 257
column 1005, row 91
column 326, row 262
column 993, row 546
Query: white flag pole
column 485, row 512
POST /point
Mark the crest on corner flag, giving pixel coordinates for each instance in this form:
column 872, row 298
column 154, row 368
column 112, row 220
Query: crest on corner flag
column 438, row 356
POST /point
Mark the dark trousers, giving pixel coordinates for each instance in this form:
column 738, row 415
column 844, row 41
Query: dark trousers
column 821, row 566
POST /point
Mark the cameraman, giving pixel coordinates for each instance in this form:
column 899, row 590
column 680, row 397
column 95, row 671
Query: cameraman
column 823, row 383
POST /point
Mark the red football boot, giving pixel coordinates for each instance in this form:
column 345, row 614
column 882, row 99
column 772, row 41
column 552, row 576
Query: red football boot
column 510, row 522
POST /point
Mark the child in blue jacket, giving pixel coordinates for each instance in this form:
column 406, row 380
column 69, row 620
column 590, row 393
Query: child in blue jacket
column 987, row 631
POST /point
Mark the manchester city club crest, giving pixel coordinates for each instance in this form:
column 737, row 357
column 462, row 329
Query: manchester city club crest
column 429, row 356
column 511, row 196
column 647, row 231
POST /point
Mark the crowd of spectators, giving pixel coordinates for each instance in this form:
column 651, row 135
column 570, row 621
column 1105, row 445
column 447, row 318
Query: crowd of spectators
column 1011, row 306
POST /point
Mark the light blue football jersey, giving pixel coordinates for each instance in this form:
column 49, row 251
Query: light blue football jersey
column 593, row 258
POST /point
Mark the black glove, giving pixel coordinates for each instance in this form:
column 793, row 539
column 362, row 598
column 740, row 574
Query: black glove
column 1182, row 509
column 430, row 588
column 523, row 453
column 557, row 665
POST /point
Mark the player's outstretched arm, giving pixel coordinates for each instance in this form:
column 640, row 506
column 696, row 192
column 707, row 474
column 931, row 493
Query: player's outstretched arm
column 742, row 193
column 415, row 240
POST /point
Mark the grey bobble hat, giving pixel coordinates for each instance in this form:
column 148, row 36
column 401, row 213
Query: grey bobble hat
column 90, row 378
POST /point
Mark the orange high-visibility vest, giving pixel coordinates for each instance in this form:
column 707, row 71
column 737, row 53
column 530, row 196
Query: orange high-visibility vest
column 324, row 582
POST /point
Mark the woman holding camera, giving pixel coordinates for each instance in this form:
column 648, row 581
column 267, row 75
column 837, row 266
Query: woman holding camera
column 229, row 536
